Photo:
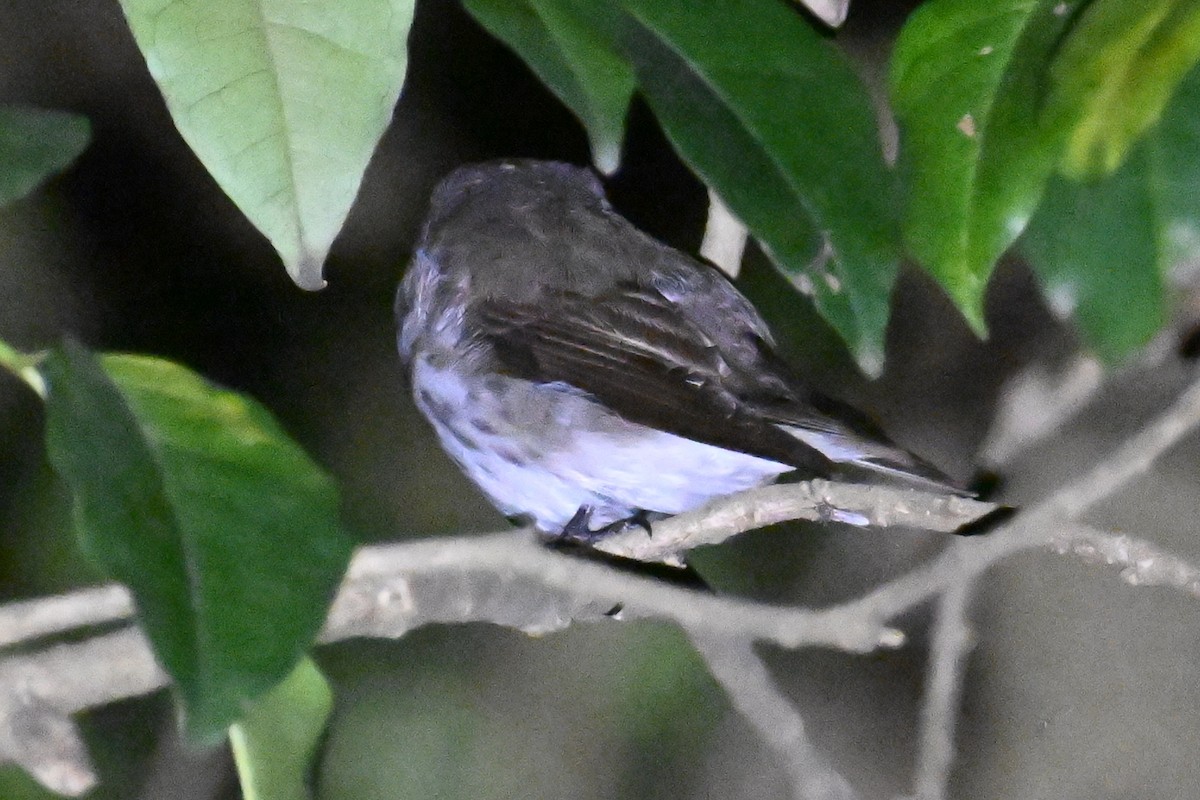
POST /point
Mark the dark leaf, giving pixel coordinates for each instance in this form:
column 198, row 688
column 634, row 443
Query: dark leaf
column 969, row 83
column 774, row 119
column 34, row 144
column 573, row 60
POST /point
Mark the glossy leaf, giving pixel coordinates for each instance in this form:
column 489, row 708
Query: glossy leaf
column 283, row 101
column 773, row 118
column 225, row 531
column 35, row 143
column 968, row 81
column 274, row 744
column 573, row 60
column 1115, row 73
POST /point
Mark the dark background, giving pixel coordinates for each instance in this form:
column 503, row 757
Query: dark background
column 136, row 249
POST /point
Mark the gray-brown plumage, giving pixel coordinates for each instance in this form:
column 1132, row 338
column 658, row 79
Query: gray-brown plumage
column 582, row 372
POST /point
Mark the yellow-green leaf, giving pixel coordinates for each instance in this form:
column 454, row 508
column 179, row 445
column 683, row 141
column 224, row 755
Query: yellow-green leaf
column 1115, row 73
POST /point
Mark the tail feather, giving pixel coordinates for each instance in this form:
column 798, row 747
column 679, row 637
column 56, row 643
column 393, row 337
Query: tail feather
column 880, row 458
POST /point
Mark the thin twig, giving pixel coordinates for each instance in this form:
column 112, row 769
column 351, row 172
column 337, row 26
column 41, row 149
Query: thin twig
column 1143, row 563
column 817, row 501
column 952, row 643
column 753, row 692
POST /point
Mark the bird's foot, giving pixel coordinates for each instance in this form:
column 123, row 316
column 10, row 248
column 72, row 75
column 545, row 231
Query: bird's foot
column 640, row 519
column 579, row 529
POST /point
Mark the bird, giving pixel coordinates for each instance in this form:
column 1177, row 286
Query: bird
column 587, row 377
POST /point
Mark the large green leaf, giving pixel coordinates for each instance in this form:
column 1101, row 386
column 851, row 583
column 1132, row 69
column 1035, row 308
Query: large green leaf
column 282, row 100
column 773, row 118
column 226, row 532
column 34, row 144
column 1114, row 75
column 273, row 746
column 969, row 80
column 1103, row 247
column 573, row 60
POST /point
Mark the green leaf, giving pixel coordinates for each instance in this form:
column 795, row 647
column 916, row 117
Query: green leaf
column 34, row 144
column 968, row 82
column 1103, row 248
column 283, row 101
column 773, row 118
column 1096, row 249
column 225, row 531
column 274, row 744
column 1114, row 75
column 1174, row 147
column 573, row 60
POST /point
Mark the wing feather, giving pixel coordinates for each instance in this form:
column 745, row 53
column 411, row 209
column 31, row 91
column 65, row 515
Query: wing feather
column 643, row 360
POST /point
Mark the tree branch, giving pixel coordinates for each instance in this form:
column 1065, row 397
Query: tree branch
column 511, row 579
column 39, row 692
column 33, row 619
column 816, row 501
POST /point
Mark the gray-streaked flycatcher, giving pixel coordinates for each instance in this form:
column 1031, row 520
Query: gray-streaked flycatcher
column 584, row 375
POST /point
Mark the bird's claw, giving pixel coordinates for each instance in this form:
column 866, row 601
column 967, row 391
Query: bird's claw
column 578, row 528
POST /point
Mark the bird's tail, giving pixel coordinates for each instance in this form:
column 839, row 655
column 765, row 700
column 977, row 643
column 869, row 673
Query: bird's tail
column 879, row 458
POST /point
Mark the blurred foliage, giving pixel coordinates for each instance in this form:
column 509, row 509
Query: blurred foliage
column 1113, row 285
column 991, row 99
column 1105, row 247
column 274, row 743
column 967, row 80
column 228, row 533
column 463, row 712
column 36, row 143
column 1114, row 74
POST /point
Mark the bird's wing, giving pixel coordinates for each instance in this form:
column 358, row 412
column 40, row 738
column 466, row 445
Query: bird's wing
column 636, row 353
column 644, row 357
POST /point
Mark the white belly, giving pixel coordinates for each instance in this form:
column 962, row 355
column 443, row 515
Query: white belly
column 546, row 450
